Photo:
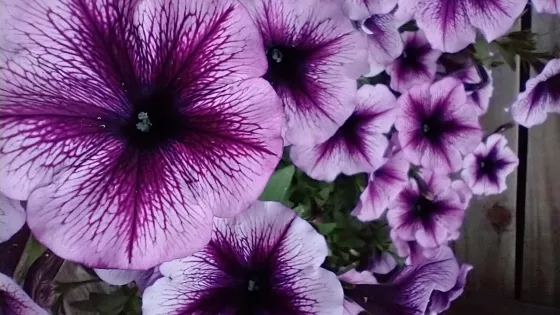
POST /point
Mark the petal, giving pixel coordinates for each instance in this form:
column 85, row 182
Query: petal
column 493, row 17
column 206, row 282
column 383, row 187
column 384, row 41
column 463, row 190
column 540, row 96
column 359, row 145
column 440, row 301
column 15, row 301
column 120, row 277
column 362, row 9
column 383, row 264
column 12, row 217
column 352, row 308
column 547, row 6
column 335, row 56
column 445, row 23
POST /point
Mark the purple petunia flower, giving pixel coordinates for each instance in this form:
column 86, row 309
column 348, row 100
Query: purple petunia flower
column 416, row 65
column 314, row 57
column 488, row 166
column 479, row 99
column 451, row 25
column 383, row 187
column 14, row 301
column 129, row 124
column 414, row 290
column 362, row 9
column 12, row 217
column 547, row 6
column 142, row 278
column 541, row 96
column 264, row 261
column 381, row 31
column 359, row 144
column 435, row 126
column 428, row 211
column 411, row 250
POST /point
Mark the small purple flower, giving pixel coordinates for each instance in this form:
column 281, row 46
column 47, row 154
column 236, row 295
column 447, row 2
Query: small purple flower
column 264, row 261
column 384, row 185
column 384, row 42
column 479, row 99
column 414, row 290
column 127, row 125
column 359, row 144
column 314, row 57
column 14, row 301
column 411, row 250
column 541, row 96
column 12, row 217
column 362, row 9
column 429, row 213
column 440, row 301
column 488, row 166
column 547, row 6
column 142, row 278
column 416, row 65
column 435, row 126
column 451, row 25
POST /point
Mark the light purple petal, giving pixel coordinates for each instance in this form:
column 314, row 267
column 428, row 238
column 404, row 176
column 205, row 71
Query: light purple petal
column 384, row 42
column 12, row 217
column 315, row 56
column 463, row 190
column 383, row 263
column 486, row 169
column 71, row 84
column 362, row 9
column 416, row 65
column 479, row 99
column 383, row 187
column 540, row 97
column 355, row 277
column 268, row 238
column 440, row 301
column 493, row 18
column 547, row 6
column 351, row 308
column 14, row 300
column 359, row 145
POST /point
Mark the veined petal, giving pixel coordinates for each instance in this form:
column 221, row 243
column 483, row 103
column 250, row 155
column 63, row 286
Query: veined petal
column 14, row 300
column 362, row 9
column 540, row 97
column 359, row 145
column 547, row 6
column 261, row 251
column 384, row 41
column 493, row 18
column 12, row 217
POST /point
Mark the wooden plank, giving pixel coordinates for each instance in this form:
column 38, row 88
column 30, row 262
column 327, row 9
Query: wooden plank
column 481, row 244
column 482, row 304
column 541, row 257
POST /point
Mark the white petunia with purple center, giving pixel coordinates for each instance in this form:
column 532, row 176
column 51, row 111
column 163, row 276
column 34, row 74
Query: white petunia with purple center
column 264, row 261
column 128, row 125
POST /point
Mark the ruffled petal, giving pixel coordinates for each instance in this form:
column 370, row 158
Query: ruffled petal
column 384, row 42
column 359, row 145
column 494, row 18
column 362, row 9
column 269, row 234
column 14, row 300
column 12, row 217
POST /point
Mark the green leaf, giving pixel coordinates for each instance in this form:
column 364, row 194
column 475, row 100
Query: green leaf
column 482, row 49
column 326, row 228
column 278, row 184
column 33, row 250
column 508, row 56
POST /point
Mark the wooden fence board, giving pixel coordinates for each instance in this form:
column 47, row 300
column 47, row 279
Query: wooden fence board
column 481, row 244
column 541, row 257
column 485, row 304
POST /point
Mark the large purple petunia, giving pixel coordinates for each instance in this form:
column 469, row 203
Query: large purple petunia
column 129, row 124
column 488, row 166
column 547, row 6
column 362, row 9
column 314, row 57
column 414, row 290
column 451, row 25
column 12, row 217
column 14, row 301
column 436, row 127
column 384, row 41
column 416, row 65
column 427, row 211
column 383, row 187
column 541, row 96
column 359, row 144
column 264, row 261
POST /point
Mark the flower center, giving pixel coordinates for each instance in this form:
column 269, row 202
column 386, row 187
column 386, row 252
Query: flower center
column 286, row 65
column 412, row 56
column 488, row 164
column 423, row 207
column 156, row 119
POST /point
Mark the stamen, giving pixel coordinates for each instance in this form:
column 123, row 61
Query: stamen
column 252, row 286
column 145, row 123
column 425, row 128
column 277, row 55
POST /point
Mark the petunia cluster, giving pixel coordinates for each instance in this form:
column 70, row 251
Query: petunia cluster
column 137, row 138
